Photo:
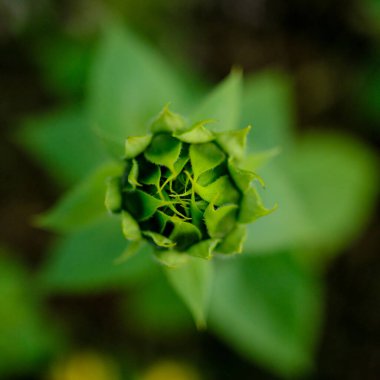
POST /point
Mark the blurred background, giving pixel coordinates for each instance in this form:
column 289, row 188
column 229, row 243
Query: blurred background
column 309, row 303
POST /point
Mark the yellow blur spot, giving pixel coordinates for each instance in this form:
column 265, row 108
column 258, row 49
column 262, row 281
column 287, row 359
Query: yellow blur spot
column 170, row 370
column 85, row 366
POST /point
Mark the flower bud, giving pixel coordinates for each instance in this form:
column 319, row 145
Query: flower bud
column 182, row 189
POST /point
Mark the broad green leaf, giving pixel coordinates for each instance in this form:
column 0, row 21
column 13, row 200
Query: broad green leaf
column 87, row 260
column 337, row 178
column 234, row 241
column 222, row 104
column 325, row 190
column 193, row 282
column 221, row 221
column 268, row 104
column 156, row 309
column 26, row 337
column 63, row 143
column 64, row 62
column 135, row 145
column 268, row 308
column 205, row 157
column 130, row 82
column 83, row 204
column 164, row 150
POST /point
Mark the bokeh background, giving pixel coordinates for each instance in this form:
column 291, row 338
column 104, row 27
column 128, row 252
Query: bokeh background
column 315, row 69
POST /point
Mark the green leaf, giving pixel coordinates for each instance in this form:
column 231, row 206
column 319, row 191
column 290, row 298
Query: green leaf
column 135, row 145
column 142, row 205
column 168, row 318
column 325, row 188
column 113, row 201
column 159, row 239
column 84, row 203
column 234, row 241
column 197, row 134
column 86, row 260
column 27, row 338
column 223, row 104
column 164, row 150
column 205, row 157
column 268, row 104
column 219, row 192
column 234, row 142
column 185, row 234
column 171, row 258
column 203, row 249
column 129, row 82
column 221, row 221
column 193, row 283
column 242, row 178
column 130, row 227
column 252, row 208
column 134, row 174
column 150, row 174
column 63, row 143
column 337, row 178
column 168, row 122
column 268, row 308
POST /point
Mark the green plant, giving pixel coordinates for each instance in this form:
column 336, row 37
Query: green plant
column 265, row 303
column 182, row 190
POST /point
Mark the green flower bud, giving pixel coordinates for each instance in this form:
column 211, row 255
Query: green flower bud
column 182, row 189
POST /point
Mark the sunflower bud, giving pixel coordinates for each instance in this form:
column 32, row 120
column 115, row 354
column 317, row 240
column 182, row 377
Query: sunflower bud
column 182, row 189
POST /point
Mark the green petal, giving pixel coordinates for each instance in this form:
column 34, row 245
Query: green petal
column 171, row 258
column 159, row 239
column 164, row 150
column 113, row 201
column 130, row 227
column 220, row 192
column 185, row 234
column 142, row 205
column 197, row 134
column 212, row 175
column 135, row 145
column 133, row 175
column 242, row 178
column 234, row 241
column 234, row 142
column 221, row 221
column 205, row 157
column 203, row 249
column 168, row 121
column 252, row 207
column 196, row 214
